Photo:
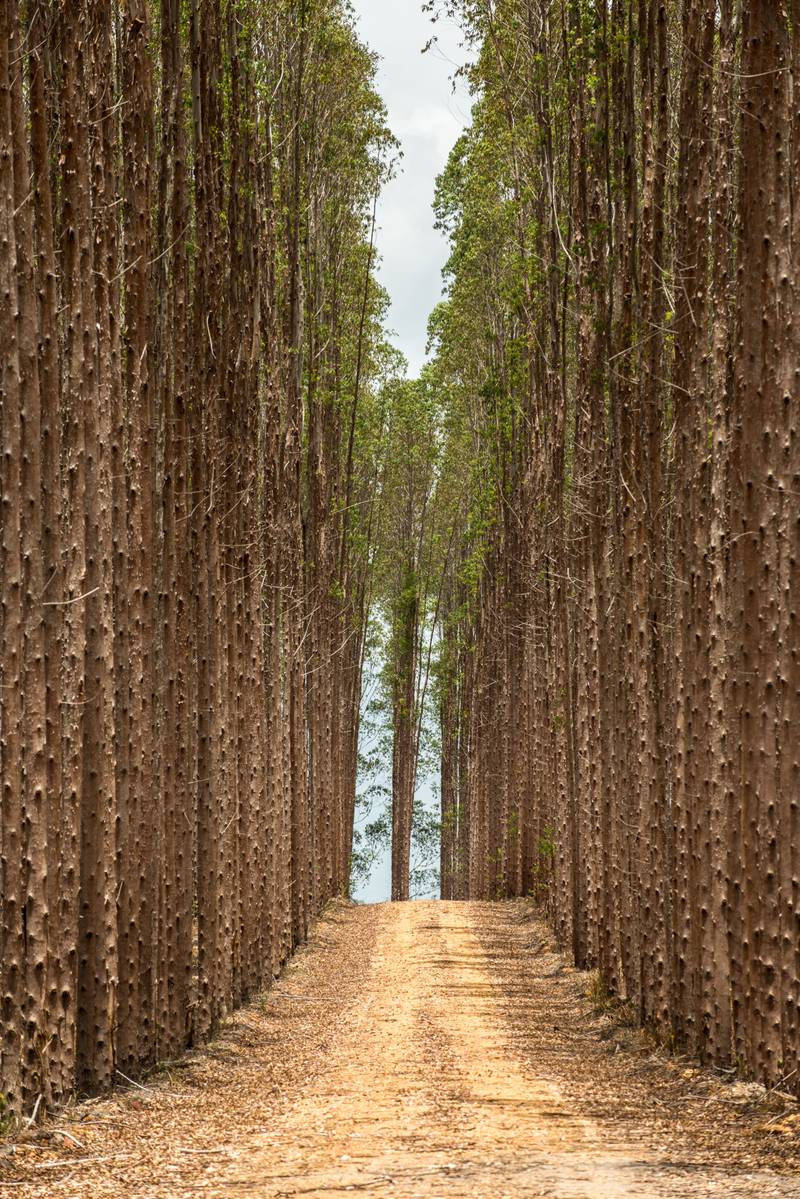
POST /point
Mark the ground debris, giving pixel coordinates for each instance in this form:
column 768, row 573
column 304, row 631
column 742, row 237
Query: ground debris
column 443, row 1060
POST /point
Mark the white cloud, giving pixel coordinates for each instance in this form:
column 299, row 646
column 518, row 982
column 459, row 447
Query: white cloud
column 427, row 117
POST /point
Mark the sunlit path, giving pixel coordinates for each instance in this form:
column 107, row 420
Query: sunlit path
column 416, row 1050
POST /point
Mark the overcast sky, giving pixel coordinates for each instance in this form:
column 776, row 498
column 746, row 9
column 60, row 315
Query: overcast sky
column 427, row 118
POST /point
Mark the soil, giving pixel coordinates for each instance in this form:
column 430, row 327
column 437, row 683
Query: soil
column 426, row 1050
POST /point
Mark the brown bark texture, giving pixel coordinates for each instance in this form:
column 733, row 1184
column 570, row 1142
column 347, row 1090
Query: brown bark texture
column 183, row 215
column 624, row 684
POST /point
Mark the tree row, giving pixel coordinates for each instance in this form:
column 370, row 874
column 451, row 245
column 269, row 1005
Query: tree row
column 191, row 342
column 617, row 361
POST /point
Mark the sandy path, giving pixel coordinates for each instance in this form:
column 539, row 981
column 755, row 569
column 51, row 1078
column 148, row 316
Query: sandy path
column 411, row 1051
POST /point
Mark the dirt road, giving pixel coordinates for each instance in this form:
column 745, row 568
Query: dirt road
column 420, row 1050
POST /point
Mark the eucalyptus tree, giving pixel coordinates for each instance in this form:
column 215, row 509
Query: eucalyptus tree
column 406, row 579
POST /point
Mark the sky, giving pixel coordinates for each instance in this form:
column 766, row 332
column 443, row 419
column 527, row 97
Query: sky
column 427, row 117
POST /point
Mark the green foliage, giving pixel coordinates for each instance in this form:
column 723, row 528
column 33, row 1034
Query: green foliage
column 371, row 839
column 373, row 825
column 512, row 829
column 7, row 1118
column 546, row 848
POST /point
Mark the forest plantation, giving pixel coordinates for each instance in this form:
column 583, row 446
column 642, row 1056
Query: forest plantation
column 263, row 594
